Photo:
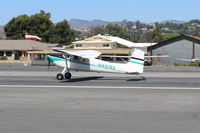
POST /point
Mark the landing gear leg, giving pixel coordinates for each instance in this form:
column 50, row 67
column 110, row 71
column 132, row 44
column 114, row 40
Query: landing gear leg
column 143, row 78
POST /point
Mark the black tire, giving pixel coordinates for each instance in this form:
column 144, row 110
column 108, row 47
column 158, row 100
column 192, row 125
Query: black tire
column 60, row 76
column 68, row 75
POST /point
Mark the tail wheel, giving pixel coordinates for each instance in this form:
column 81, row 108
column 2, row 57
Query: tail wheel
column 60, row 76
column 68, row 75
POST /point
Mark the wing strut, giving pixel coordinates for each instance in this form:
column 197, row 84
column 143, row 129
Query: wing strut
column 66, row 62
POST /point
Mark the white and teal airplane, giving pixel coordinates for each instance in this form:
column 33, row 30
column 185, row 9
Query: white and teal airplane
column 87, row 60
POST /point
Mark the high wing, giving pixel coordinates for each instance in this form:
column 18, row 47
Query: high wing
column 155, row 56
column 130, row 56
column 82, row 53
column 184, row 59
column 190, row 60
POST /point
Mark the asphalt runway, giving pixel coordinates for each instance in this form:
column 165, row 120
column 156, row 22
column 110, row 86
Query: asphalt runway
column 35, row 102
column 93, row 79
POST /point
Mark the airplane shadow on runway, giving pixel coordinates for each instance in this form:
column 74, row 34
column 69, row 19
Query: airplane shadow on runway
column 101, row 78
column 138, row 79
column 124, row 79
column 83, row 79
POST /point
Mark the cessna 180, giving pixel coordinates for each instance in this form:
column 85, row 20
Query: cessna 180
column 87, row 60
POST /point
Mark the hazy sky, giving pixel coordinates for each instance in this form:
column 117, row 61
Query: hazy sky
column 109, row 10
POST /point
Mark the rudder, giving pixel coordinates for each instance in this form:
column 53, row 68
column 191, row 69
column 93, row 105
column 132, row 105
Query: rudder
column 137, row 60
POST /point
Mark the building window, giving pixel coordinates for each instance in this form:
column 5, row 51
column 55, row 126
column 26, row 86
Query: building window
column 106, row 45
column 1, row 53
column 39, row 57
column 78, row 45
column 8, row 53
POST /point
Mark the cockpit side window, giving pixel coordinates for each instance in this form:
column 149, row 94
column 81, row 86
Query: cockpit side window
column 74, row 57
column 66, row 56
column 78, row 58
column 58, row 55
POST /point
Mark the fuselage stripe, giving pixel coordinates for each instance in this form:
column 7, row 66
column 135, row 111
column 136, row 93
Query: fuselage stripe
column 135, row 62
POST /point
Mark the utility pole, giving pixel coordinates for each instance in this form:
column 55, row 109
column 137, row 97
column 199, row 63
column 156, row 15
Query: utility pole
column 193, row 48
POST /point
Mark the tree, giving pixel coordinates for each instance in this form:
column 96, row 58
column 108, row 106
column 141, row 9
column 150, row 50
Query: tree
column 170, row 36
column 62, row 33
column 157, row 35
column 98, row 30
column 38, row 24
column 17, row 27
column 111, row 29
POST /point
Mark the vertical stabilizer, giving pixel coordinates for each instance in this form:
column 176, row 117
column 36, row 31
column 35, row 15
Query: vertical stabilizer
column 136, row 61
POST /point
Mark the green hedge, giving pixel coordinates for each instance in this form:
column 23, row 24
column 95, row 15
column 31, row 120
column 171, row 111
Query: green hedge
column 190, row 64
column 3, row 58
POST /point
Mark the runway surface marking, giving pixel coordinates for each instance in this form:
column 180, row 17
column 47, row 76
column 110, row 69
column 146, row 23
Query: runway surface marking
column 117, row 87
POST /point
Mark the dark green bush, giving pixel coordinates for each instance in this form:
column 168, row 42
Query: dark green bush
column 3, row 58
column 189, row 64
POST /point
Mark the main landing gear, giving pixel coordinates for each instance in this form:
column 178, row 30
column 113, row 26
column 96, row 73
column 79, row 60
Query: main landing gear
column 143, row 78
column 64, row 74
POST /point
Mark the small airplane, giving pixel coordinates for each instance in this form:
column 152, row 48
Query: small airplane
column 87, row 60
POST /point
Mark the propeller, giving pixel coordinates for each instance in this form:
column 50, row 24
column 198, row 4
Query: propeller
column 49, row 62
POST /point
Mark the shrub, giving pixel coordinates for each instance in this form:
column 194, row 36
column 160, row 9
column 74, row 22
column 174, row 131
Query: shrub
column 194, row 64
column 3, row 58
column 189, row 64
column 177, row 64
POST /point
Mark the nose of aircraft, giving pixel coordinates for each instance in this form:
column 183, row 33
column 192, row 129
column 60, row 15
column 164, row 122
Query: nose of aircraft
column 49, row 57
